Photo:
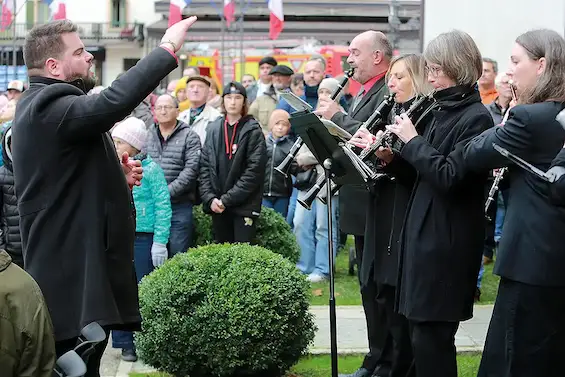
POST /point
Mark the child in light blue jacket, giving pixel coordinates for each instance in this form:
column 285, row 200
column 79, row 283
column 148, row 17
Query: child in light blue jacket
column 153, row 214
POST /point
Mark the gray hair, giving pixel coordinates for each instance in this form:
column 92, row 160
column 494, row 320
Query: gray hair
column 550, row 46
column 175, row 100
column 318, row 58
column 381, row 43
column 493, row 63
column 458, row 55
column 44, row 42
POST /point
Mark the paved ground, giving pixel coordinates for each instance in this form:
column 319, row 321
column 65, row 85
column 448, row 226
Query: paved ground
column 351, row 335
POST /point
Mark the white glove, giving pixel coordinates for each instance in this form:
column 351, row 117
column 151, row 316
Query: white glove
column 158, row 254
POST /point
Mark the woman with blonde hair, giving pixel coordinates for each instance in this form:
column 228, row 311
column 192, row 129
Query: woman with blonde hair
column 443, row 229
column 527, row 332
column 389, row 200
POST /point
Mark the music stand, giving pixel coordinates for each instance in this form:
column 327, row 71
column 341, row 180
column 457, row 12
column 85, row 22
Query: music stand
column 339, row 168
column 551, row 176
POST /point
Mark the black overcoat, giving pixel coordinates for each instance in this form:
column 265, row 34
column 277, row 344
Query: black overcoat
column 531, row 249
column 77, row 218
column 443, row 233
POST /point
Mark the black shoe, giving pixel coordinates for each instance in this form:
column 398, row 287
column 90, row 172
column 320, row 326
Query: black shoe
column 129, row 355
column 361, row 372
column 477, row 295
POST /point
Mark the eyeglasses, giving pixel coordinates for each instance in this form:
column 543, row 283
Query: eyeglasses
column 433, row 70
column 166, row 108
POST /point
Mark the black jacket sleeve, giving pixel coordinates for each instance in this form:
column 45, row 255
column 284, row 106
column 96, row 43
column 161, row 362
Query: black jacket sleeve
column 205, row 187
column 253, row 175
column 186, row 180
column 88, row 116
column 514, row 135
column 445, row 172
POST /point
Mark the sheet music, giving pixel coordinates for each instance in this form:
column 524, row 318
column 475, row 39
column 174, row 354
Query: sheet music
column 336, row 130
column 296, row 102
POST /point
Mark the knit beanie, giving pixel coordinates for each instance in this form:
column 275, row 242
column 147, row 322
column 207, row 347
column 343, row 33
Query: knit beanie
column 331, row 84
column 132, row 131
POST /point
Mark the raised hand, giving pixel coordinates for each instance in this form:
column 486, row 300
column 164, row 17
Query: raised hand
column 174, row 36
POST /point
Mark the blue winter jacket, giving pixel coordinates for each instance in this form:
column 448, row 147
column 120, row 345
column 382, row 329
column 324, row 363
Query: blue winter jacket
column 152, row 201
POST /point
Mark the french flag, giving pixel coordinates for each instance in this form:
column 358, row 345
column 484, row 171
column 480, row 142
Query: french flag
column 58, row 9
column 276, row 18
column 229, row 11
column 175, row 10
column 7, row 14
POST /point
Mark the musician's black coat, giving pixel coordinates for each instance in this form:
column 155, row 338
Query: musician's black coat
column 442, row 239
column 388, row 202
column 531, row 249
column 77, row 217
column 558, row 187
column 354, row 199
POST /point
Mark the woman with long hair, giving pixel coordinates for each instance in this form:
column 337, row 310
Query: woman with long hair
column 441, row 244
column 527, row 331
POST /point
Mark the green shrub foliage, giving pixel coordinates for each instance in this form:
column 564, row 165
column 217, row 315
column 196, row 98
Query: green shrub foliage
column 273, row 233
column 225, row 310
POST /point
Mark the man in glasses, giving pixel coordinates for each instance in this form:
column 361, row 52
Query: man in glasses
column 176, row 148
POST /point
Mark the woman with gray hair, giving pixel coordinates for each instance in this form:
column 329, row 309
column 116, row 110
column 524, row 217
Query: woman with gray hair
column 442, row 242
column 527, row 331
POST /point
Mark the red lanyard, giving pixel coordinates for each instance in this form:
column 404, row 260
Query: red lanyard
column 229, row 145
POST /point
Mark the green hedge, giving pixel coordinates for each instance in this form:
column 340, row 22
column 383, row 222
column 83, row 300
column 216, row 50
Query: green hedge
column 273, row 233
column 228, row 310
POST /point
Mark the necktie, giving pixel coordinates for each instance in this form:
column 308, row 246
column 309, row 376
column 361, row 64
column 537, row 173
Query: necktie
column 358, row 98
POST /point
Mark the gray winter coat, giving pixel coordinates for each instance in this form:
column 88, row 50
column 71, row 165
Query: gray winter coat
column 179, row 157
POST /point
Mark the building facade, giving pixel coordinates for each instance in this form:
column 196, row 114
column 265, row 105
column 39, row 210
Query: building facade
column 120, row 32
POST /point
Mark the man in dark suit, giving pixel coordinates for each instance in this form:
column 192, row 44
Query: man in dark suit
column 369, row 55
column 77, row 221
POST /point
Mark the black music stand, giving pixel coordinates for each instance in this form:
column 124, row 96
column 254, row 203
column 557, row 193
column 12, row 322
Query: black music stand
column 337, row 167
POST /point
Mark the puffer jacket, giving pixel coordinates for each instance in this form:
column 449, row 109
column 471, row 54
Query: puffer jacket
column 152, row 201
column 276, row 184
column 179, row 157
column 11, row 240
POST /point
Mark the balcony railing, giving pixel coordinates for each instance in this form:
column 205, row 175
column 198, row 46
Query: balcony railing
column 87, row 31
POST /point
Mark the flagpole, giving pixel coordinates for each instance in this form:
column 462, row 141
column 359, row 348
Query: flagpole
column 14, row 38
column 241, row 55
column 223, row 51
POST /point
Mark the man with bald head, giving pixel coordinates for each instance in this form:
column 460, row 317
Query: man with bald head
column 369, row 55
column 175, row 146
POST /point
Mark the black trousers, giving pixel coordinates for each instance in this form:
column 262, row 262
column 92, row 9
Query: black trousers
column 526, row 334
column 233, row 228
column 93, row 362
column 433, row 345
column 397, row 348
column 377, row 331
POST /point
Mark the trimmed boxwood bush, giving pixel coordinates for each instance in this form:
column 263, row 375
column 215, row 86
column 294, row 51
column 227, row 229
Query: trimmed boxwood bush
column 273, row 232
column 225, row 310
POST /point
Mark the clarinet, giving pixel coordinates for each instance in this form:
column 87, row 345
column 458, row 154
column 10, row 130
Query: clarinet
column 381, row 113
column 499, row 176
column 284, row 166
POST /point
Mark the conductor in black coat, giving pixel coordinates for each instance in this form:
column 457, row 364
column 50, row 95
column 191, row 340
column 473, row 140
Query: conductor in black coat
column 370, row 54
column 441, row 246
column 527, row 331
column 77, row 219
